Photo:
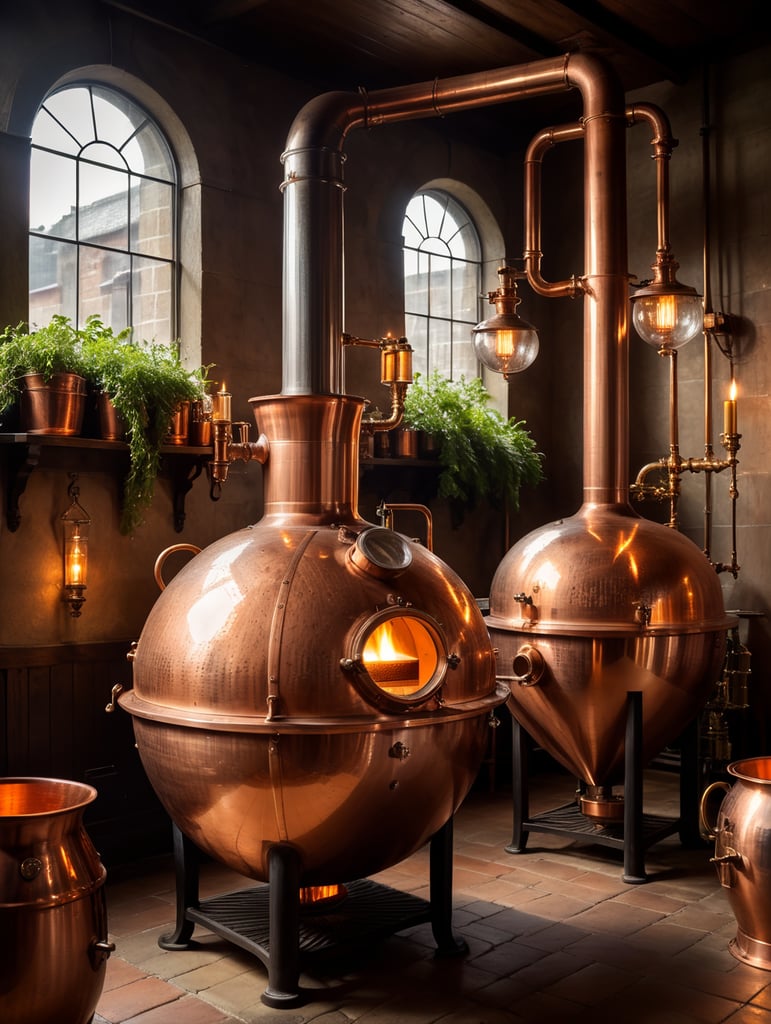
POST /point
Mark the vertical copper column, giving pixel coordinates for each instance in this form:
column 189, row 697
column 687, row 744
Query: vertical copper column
column 606, row 372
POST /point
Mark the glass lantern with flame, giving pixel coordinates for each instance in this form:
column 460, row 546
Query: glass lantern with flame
column 505, row 342
column 75, row 522
column 666, row 313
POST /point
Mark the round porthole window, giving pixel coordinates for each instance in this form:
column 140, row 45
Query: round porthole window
column 399, row 657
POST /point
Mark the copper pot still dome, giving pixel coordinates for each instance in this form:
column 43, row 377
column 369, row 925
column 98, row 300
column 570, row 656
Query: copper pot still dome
column 313, row 679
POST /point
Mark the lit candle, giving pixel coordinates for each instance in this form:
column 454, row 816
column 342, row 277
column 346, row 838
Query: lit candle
column 75, row 568
column 729, row 412
column 221, row 405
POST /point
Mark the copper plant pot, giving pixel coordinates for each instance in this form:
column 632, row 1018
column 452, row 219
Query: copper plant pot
column 53, row 918
column 405, row 443
column 179, row 424
column 112, row 426
column 55, row 406
column 199, row 429
column 742, row 835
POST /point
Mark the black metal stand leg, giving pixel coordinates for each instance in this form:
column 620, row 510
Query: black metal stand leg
column 440, row 879
column 634, row 845
column 186, row 874
column 284, row 926
column 520, row 797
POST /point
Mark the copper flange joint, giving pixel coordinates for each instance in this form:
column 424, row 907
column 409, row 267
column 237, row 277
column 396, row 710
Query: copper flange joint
column 601, row 806
column 528, row 665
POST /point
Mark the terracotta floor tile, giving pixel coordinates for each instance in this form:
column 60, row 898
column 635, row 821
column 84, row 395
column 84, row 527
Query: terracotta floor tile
column 120, row 1004
column 119, row 972
column 184, row 1011
column 554, row 935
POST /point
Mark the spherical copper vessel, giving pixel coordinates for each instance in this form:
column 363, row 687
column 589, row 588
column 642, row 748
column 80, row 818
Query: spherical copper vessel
column 264, row 709
column 587, row 609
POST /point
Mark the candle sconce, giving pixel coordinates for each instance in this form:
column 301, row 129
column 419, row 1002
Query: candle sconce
column 230, row 442
column 75, row 522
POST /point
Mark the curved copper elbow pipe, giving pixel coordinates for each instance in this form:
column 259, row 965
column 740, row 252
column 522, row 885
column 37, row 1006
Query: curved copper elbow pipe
column 663, row 143
column 385, row 513
column 398, row 391
column 544, row 141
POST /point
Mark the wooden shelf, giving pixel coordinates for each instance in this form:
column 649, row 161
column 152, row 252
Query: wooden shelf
column 403, row 462
column 181, row 463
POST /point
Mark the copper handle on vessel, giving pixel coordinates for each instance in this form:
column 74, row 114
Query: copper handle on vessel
column 710, row 831
column 161, row 559
column 99, row 951
column 116, row 691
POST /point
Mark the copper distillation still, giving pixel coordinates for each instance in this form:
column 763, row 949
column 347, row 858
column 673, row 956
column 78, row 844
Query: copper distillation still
column 269, row 729
column 610, row 628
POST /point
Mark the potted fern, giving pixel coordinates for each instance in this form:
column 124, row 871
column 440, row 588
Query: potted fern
column 43, row 374
column 481, row 454
column 50, row 370
column 145, row 383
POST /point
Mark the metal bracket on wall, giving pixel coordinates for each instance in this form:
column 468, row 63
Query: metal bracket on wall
column 22, row 453
column 22, row 459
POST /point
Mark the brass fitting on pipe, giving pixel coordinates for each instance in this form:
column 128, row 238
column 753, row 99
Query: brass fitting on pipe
column 395, row 374
column 226, row 450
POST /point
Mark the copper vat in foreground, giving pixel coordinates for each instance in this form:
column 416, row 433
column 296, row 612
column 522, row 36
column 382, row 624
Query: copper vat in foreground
column 742, row 836
column 259, row 713
column 53, row 918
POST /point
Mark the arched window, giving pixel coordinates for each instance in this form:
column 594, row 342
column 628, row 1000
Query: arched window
column 103, row 214
column 442, row 284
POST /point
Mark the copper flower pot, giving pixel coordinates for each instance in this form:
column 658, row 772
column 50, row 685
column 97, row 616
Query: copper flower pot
column 199, row 429
column 178, row 427
column 53, row 919
column 405, row 443
column 742, row 835
column 112, row 426
column 55, row 406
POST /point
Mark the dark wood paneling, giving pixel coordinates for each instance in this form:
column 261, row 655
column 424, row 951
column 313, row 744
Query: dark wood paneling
column 55, row 725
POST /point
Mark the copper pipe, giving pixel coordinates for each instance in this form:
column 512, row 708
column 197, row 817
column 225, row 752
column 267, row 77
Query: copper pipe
column 313, row 190
column 532, row 254
column 663, row 143
column 385, row 510
column 226, row 450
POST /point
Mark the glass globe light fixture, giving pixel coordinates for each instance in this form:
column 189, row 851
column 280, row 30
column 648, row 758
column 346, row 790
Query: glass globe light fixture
column 505, row 342
column 665, row 313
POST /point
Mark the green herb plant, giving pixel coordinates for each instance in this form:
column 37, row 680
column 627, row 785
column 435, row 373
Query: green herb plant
column 145, row 384
column 55, row 348
column 482, row 454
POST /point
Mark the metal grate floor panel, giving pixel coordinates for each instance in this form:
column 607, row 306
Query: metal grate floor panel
column 369, row 911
